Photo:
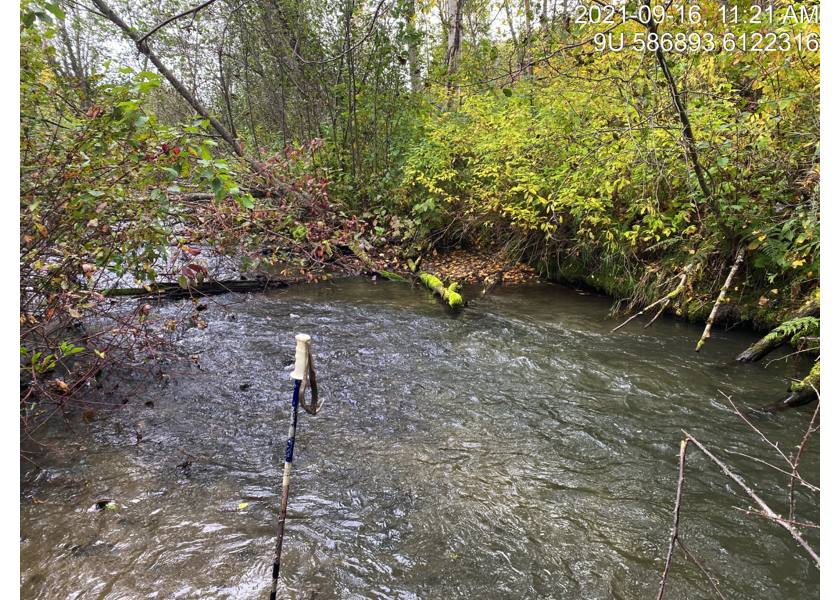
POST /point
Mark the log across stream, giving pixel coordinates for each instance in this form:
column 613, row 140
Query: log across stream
column 513, row 450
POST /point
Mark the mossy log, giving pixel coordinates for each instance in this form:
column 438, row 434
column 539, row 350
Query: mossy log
column 449, row 294
column 371, row 265
column 801, row 392
column 779, row 336
column 390, row 275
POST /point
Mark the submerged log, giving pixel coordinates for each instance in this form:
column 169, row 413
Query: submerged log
column 801, row 392
column 779, row 336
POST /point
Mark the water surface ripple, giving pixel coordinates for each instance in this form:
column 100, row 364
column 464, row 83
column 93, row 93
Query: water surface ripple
column 517, row 450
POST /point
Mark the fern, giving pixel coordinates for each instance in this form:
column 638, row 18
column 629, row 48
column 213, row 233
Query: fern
column 798, row 328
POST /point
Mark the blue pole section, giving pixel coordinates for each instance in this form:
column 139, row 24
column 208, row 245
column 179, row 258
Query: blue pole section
column 287, row 472
column 299, row 375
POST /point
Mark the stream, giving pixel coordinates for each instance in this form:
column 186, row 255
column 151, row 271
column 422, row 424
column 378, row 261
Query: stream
column 515, row 450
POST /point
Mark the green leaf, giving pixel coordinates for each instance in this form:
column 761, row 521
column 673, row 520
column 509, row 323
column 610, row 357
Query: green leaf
column 54, row 9
column 722, row 161
column 140, row 121
column 44, row 17
column 182, row 281
column 218, row 188
column 507, row 92
column 247, row 201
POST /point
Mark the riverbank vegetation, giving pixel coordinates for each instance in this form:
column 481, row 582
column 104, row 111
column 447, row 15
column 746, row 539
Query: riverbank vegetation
column 673, row 163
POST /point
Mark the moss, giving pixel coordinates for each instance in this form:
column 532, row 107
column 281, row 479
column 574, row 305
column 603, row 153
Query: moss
column 813, row 378
column 452, row 296
column 430, row 281
column 392, row 276
column 449, row 294
column 455, row 300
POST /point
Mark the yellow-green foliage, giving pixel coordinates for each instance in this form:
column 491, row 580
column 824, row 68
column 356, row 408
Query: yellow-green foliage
column 590, row 158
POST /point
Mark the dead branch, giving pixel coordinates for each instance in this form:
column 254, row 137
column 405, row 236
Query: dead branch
column 192, row 11
column 758, row 431
column 795, row 474
column 708, row 331
column 675, row 529
column 774, row 467
column 767, row 511
column 661, row 310
column 761, row 514
column 666, row 299
column 699, row 566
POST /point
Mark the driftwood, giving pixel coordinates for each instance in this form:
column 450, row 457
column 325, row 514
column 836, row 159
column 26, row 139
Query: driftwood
column 708, row 331
column 777, row 337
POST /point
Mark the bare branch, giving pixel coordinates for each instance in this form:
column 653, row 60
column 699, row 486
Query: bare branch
column 675, row 529
column 192, row 11
column 768, row 512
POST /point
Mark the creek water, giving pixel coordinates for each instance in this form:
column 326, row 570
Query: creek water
column 515, row 450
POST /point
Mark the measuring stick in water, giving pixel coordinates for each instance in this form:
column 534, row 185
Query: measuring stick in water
column 299, row 375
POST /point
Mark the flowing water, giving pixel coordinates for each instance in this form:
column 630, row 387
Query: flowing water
column 516, row 450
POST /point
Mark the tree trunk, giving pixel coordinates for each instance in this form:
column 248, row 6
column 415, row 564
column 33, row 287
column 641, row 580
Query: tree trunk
column 75, row 61
column 143, row 47
column 413, row 61
column 453, row 46
column 687, row 131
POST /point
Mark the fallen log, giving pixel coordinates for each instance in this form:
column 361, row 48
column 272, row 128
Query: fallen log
column 174, row 291
column 780, row 336
column 371, row 265
column 449, row 294
column 708, row 331
column 801, row 392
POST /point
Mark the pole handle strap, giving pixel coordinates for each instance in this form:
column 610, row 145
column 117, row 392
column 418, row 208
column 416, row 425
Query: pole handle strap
column 305, row 372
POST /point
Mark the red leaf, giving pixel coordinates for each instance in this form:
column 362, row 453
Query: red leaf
column 176, row 150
